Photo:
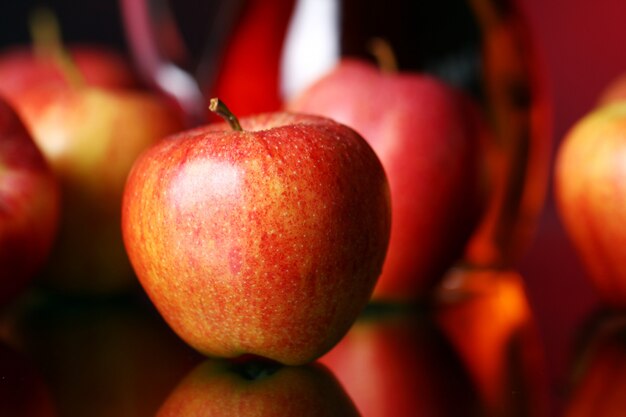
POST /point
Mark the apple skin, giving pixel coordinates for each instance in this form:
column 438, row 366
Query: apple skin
column 220, row 388
column 22, row 69
column 29, row 206
column 266, row 242
column 91, row 137
column 590, row 188
column 426, row 137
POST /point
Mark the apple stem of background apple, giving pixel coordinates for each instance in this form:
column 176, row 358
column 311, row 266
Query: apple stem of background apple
column 46, row 35
column 384, row 54
column 218, row 107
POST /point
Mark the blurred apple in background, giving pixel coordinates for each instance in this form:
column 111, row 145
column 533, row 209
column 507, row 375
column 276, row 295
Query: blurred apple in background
column 23, row 68
column 486, row 316
column 266, row 241
column 398, row 363
column 90, row 136
column 597, row 379
column 220, row 388
column 427, row 136
column 29, row 206
column 112, row 357
column 590, row 187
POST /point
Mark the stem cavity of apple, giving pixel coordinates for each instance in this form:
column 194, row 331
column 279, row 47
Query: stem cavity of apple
column 384, row 55
column 218, row 107
column 46, row 35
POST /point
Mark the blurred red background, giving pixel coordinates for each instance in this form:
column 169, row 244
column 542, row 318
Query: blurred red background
column 581, row 45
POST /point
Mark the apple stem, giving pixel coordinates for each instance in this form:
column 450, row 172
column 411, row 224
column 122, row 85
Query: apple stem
column 383, row 52
column 217, row 106
column 44, row 29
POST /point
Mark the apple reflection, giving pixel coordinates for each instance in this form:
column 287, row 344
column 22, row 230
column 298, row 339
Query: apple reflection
column 397, row 363
column 226, row 388
column 487, row 318
column 597, row 386
column 102, row 357
column 23, row 392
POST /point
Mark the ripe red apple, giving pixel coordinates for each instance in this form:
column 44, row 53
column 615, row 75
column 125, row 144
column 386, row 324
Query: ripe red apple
column 29, row 205
column 91, row 137
column 400, row 364
column 220, row 388
column 590, row 187
column 22, row 69
column 426, row 137
column 266, row 241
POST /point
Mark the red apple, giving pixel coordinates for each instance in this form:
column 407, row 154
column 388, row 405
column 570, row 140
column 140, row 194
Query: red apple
column 22, row 69
column 400, row 364
column 29, row 205
column 590, row 187
column 91, row 137
column 220, row 388
column 426, row 136
column 263, row 242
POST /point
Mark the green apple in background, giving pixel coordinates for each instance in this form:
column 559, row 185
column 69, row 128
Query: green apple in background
column 29, row 206
column 426, row 135
column 221, row 388
column 265, row 241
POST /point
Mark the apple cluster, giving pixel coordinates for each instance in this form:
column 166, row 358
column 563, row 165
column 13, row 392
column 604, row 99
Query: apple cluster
column 264, row 236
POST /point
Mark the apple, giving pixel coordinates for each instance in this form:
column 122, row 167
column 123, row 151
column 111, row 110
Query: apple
column 221, row 388
column 427, row 137
column 22, row 68
column 90, row 137
column 590, row 188
column 398, row 363
column 486, row 316
column 264, row 242
column 29, row 206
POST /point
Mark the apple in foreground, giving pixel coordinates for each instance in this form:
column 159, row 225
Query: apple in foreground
column 91, row 137
column 29, row 205
column 590, row 187
column 265, row 241
column 426, row 137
